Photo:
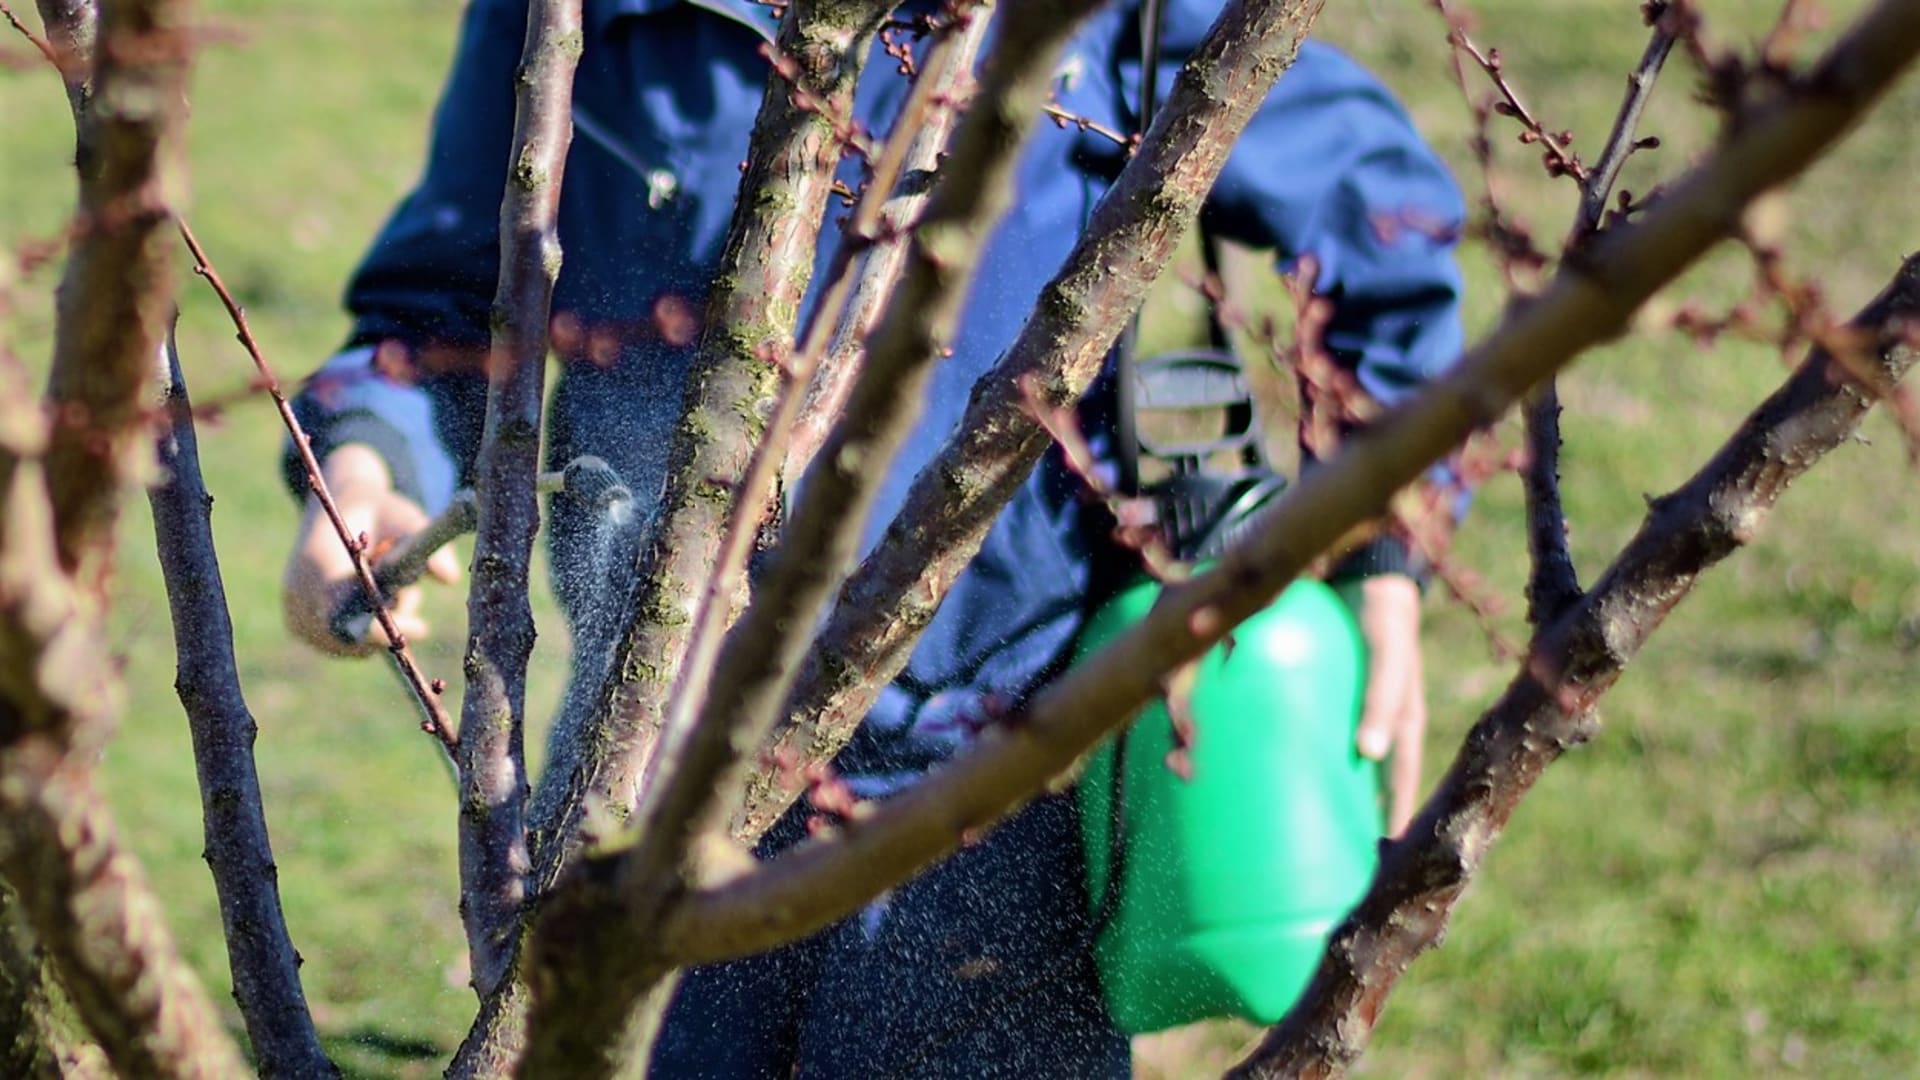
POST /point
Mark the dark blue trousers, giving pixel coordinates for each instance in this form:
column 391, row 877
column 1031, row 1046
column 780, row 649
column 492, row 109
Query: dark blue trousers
column 980, row 968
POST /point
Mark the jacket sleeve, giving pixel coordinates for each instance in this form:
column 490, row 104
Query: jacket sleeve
column 1331, row 167
column 428, row 279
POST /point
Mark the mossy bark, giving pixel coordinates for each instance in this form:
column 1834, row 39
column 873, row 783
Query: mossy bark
column 40, row 1036
column 491, row 757
column 757, row 289
column 1128, row 242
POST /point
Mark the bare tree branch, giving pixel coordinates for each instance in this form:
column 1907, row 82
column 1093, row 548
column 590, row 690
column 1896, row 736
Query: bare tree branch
column 500, row 635
column 1622, row 141
column 763, row 275
column 922, row 130
column 954, row 500
column 41, row 44
column 1549, row 706
column 975, row 189
column 581, row 1000
column 425, row 693
column 1553, row 583
column 946, row 85
column 91, row 908
column 71, row 26
column 1589, row 301
column 260, row 953
column 83, row 894
column 757, row 291
column 117, row 292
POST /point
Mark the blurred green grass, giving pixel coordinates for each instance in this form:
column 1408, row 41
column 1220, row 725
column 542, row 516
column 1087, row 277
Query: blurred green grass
column 1726, row 883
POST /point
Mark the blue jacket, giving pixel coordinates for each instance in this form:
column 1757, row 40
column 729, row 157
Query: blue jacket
column 664, row 102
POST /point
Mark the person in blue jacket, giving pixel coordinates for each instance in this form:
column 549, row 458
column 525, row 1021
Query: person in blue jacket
column 980, row 967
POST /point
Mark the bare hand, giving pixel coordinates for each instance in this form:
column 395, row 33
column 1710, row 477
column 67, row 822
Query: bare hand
column 320, row 575
column 1393, row 720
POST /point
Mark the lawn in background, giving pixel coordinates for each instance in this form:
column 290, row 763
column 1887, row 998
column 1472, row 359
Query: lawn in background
column 1725, row 883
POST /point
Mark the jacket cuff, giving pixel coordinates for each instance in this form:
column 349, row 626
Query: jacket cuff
column 348, row 402
column 1385, row 554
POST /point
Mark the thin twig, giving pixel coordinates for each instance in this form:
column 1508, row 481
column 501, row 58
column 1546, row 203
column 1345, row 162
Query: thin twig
column 975, row 189
column 71, row 27
column 1621, row 142
column 1553, row 582
column 759, row 285
column 1144, row 539
column 1061, row 116
column 435, row 722
column 884, row 243
column 1559, row 159
column 39, row 42
column 757, row 660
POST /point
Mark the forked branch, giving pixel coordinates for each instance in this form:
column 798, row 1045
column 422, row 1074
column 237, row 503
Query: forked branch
column 755, row 666
column 1585, row 304
column 762, row 277
column 736, row 374
column 1553, row 584
column 955, row 499
column 594, row 949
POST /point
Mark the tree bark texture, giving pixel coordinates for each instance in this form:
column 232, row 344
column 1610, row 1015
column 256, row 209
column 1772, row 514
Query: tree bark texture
column 1586, row 303
column 71, row 26
column 919, row 136
column 116, row 296
column 40, row 1037
column 91, row 908
column 756, row 664
column 756, row 294
column 500, row 631
column 1548, row 708
column 583, row 998
column 260, row 952
column 763, row 275
column 953, row 502
column 949, row 84
column 83, row 894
